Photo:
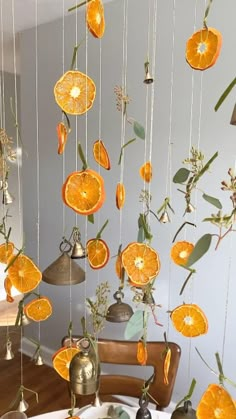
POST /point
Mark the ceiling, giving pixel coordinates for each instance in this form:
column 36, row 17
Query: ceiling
column 18, row 15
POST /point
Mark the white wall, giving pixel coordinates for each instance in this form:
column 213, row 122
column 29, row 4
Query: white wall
column 213, row 287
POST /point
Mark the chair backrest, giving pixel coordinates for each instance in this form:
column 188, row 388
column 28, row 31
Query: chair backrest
column 124, row 352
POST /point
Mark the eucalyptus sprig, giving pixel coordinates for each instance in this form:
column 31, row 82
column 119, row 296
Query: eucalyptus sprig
column 144, row 229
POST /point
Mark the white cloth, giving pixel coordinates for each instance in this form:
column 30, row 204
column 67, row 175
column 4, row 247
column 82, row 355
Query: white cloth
column 99, row 412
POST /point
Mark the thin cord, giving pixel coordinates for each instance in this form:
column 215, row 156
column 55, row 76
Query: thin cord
column 63, row 155
column 227, row 299
column 86, row 155
column 3, row 82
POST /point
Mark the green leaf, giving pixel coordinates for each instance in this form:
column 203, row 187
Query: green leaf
column 201, row 247
column 141, row 235
column 181, row 175
column 225, row 94
column 134, row 325
column 122, row 148
column 142, row 222
column 91, row 218
column 212, row 201
column 139, row 130
column 206, row 167
column 99, row 235
column 82, row 156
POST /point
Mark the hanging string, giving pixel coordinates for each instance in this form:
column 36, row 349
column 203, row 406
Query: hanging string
column 123, row 116
column 63, row 155
column 2, row 72
column 227, row 298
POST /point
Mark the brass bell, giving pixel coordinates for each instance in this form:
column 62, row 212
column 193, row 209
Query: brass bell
column 64, row 271
column 119, row 312
column 143, row 412
column 38, row 359
column 184, row 412
column 233, row 117
column 24, row 320
column 7, row 198
column 84, row 370
column 164, row 218
column 190, row 208
column 78, row 251
column 148, row 78
column 23, row 405
column 9, row 354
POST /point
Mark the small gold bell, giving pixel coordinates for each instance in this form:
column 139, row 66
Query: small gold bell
column 190, row 208
column 78, row 251
column 186, row 411
column 84, row 370
column 7, row 198
column 38, row 359
column 23, row 405
column 9, row 354
column 119, row 312
column 148, row 78
column 24, row 320
column 233, row 117
column 164, row 218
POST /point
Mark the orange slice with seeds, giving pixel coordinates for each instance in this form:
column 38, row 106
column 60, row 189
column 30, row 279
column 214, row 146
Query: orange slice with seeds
column 181, row 251
column 100, row 154
column 95, row 18
column 141, row 263
column 61, row 361
column 62, row 135
column 145, row 171
column 97, row 253
column 6, row 250
column 203, row 48
column 120, row 195
column 84, row 191
column 38, row 309
column 24, row 275
column 189, row 320
column 75, row 92
column 216, row 403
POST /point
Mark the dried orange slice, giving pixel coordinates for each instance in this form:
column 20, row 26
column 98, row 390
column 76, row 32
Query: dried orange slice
column 8, row 287
column 61, row 361
column 142, row 354
column 120, row 195
column 75, row 92
column 24, row 274
column 118, row 266
column 95, row 18
column 6, row 250
column 216, row 403
column 84, row 191
column 189, row 320
column 181, row 251
column 97, row 253
column 203, row 48
column 141, row 263
column 145, row 171
column 62, row 135
column 38, row 309
column 100, row 154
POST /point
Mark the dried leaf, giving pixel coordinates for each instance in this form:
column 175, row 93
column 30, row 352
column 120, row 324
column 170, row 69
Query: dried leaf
column 212, row 200
column 201, row 247
column 181, row 175
column 139, row 130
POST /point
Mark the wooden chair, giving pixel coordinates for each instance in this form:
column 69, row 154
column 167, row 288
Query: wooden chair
column 124, row 353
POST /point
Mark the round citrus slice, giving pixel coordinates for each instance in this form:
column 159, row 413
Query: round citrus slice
column 180, row 252
column 216, row 403
column 38, row 309
column 8, row 287
column 141, row 263
column 95, row 18
column 75, row 92
column 84, row 191
column 6, row 250
column 97, row 253
column 203, row 48
column 120, row 195
column 145, row 171
column 61, row 361
column 62, row 135
column 100, row 154
column 24, row 274
column 189, row 320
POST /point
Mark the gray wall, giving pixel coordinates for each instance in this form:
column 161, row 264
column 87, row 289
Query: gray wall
column 213, row 287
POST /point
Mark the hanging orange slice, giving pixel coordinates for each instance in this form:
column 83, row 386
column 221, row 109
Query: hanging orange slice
column 38, row 309
column 75, row 92
column 61, row 361
column 189, row 320
column 6, row 250
column 203, row 48
column 216, row 403
column 145, row 171
column 62, row 135
column 120, row 195
column 100, row 154
column 95, row 18
column 118, row 266
column 84, row 191
column 181, row 251
column 8, row 287
column 24, row 274
column 97, row 253
column 141, row 263
column 142, row 354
